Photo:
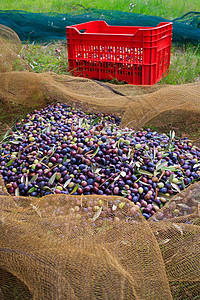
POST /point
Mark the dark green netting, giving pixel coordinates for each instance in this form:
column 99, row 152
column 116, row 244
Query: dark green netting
column 51, row 26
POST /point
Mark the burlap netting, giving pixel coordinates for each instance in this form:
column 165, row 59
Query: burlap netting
column 51, row 249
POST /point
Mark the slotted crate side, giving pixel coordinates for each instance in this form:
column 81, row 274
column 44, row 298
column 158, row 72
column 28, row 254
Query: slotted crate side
column 115, row 59
column 130, row 58
column 156, row 44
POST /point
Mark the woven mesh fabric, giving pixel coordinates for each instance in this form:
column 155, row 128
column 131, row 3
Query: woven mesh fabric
column 51, row 26
column 50, row 248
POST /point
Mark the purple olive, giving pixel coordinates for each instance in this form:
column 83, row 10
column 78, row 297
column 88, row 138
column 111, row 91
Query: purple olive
column 99, row 159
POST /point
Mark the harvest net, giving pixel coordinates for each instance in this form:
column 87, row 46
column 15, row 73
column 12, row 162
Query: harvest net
column 55, row 247
column 37, row 27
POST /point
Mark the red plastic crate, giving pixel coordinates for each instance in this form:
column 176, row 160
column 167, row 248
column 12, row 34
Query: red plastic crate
column 136, row 55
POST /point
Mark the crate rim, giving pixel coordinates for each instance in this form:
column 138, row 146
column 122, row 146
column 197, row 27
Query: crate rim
column 145, row 28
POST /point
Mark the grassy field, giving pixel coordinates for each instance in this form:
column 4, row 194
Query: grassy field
column 168, row 9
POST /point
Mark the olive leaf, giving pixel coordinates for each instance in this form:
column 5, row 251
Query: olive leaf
column 80, row 123
column 143, row 172
column 23, row 179
column 67, row 182
column 53, row 149
column 148, row 155
column 15, row 142
column 175, row 186
column 10, row 162
column 75, row 189
column 97, row 214
column 182, row 182
column 118, row 143
column 18, row 154
column 83, row 123
column 171, row 168
column 95, row 152
column 94, row 168
column 92, row 122
column 97, row 170
column 124, row 192
column 189, row 155
column 171, row 177
column 161, row 165
column 117, row 177
column 23, row 164
column 138, row 179
column 18, row 135
column 105, row 227
column 17, row 192
column 47, row 129
column 172, row 135
column 165, row 154
column 137, row 164
column 47, row 188
column 123, row 174
column 26, row 181
column 52, row 179
column 34, row 178
column 144, row 183
column 31, row 190
column 64, row 159
column 196, row 166
column 129, row 152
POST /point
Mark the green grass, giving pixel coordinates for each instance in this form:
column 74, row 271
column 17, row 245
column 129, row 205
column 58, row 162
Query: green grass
column 185, row 65
column 164, row 8
column 52, row 57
